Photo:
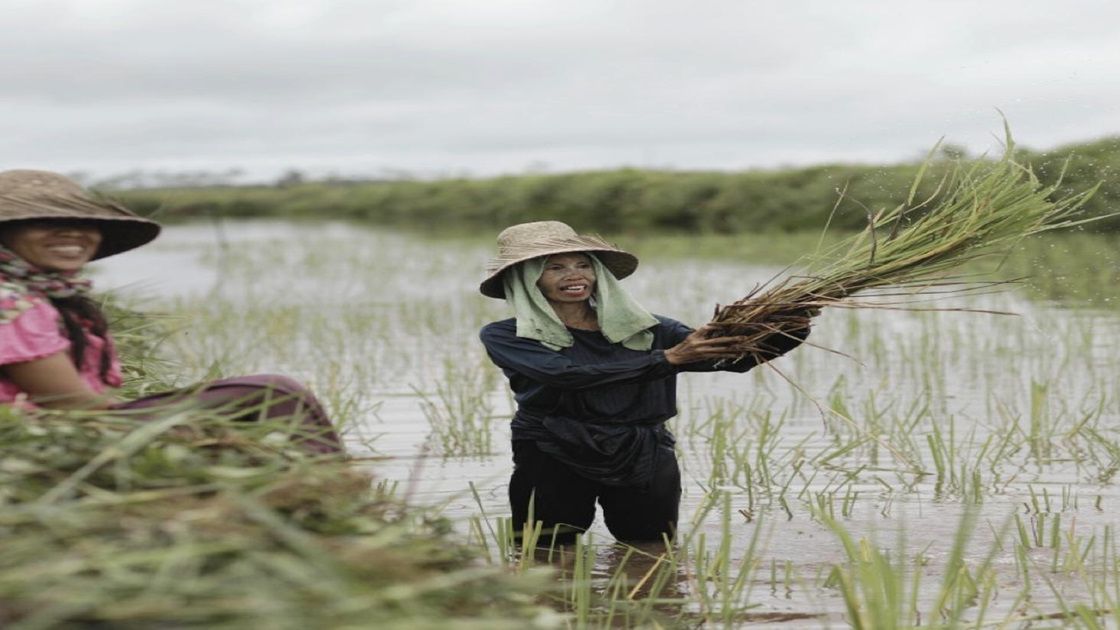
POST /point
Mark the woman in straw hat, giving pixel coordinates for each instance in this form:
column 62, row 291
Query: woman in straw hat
column 594, row 378
column 55, row 347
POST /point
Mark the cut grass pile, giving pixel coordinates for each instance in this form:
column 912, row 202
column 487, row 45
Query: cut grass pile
column 197, row 520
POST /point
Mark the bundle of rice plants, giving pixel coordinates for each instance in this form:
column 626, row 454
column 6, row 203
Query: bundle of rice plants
column 978, row 209
column 193, row 520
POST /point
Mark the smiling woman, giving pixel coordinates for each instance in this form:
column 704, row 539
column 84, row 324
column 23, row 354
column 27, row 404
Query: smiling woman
column 55, row 346
column 594, row 377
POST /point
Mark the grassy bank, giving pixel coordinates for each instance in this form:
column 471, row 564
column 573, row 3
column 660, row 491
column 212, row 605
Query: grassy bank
column 628, row 200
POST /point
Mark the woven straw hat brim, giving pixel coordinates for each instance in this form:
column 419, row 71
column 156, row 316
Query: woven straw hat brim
column 121, row 230
column 619, row 262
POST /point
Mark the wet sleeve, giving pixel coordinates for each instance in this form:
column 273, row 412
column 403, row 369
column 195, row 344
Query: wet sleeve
column 536, row 362
column 772, row 347
column 33, row 334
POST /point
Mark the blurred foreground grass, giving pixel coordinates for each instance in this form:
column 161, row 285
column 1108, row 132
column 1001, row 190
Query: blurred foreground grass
column 197, row 520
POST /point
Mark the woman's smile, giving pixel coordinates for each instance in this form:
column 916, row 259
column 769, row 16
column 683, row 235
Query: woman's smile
column 567, row 278
column 53, row 245
column 577, row 289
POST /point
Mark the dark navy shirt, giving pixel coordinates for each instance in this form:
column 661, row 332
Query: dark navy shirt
column 598, row 406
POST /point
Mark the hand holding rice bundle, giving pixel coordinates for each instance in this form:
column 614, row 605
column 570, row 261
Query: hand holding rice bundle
column 977, row 210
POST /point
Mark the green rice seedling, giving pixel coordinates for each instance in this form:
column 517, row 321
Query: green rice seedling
column 1023, row 568
column 768, row 431
column 387, row 488
column 954, row 474
column 744, row 449
column 873, row 587
column 881, row 592
column 579, row 582
column 838, row 404
column 938, row 449
column 722, row 583
column 1109, row 464
column 341, row 394
column 616, row 592
column 460, row 412
column 905, row 425
column 517, row 551
column 841, row 452
column 722, row 424
column 1091, row 607
column 1040, row 422
column 1039, row 433
column 849, row 502
column 863, row 435
column 1041, row 530
column 973, row 488
column 1078, row 550
column 748, row 457
column 1103, row 610
column 483, row 531
column 886, row 505
column 1044, row 530
column 1039, row 501
column 824, row 501
column 586, row 596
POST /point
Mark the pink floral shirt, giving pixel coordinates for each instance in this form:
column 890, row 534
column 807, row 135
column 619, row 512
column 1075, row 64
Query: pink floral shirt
column 36, row 334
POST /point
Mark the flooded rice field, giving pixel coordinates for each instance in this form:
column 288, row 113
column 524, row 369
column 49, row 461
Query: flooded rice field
column 923, row 466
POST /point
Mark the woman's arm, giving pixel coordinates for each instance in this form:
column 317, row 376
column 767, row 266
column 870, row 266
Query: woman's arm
column 770, row 347
column 536, row 362
column 54, row 382
column 531, row 359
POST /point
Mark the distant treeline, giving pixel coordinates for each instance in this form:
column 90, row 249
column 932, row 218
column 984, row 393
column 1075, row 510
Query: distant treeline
column 627, row 200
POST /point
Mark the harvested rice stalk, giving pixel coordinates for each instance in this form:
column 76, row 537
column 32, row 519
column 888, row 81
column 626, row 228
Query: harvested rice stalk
column 199, row 521
column 978, row 209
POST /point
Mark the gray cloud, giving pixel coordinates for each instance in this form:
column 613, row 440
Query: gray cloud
column 494, row 86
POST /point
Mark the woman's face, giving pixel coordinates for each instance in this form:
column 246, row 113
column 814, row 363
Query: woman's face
column 567, row 278
column 53, row 245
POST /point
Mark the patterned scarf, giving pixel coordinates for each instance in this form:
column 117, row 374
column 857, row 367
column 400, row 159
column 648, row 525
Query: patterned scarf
column 20, row 281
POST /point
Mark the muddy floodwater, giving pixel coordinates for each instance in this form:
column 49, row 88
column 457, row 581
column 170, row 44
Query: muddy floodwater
column 903, row 431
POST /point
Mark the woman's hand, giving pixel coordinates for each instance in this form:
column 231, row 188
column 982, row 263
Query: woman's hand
column 696, row 347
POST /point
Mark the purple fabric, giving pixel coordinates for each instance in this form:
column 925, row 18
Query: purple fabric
column 265, row 396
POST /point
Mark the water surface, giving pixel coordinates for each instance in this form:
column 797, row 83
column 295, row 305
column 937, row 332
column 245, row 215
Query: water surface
column 893, row 421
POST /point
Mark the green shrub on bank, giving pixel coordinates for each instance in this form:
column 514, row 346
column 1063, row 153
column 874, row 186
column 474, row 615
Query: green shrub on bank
column 629, row 200
column 1088, row 164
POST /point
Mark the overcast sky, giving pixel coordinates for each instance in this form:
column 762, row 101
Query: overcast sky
column 483, row 86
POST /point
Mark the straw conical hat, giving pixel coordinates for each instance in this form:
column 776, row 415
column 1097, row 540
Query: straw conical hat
column 523, row 241
column 43, row 196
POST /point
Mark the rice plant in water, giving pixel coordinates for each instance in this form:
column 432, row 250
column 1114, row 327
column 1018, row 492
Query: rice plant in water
column 459, row 411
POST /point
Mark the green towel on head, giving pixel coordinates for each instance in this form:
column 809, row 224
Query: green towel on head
column 621, row 318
